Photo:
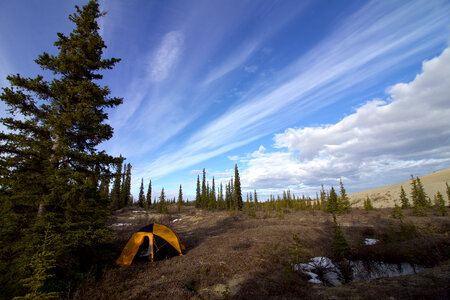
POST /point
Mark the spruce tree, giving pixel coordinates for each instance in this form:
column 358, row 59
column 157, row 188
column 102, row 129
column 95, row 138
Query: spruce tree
column 439, row 204
column 115, row 192
column 339, row 244
column 50, row 166
column 403, row 199
column 323, row 199
column 104, row 190
column 345, row 202
column 418, row 196
column 332, row 205
column 141, row 199
column 204, row 195
column 220, row 197
column 213, row 200
column 237, row 195
column 397, row 212
column 198, row 196
column 227, row 196
column 448, row 192
column 368, row 204
column 421, row 195
column 126, row 188
column 162, row 202
column 414, row 193
column 180, row 198
column 148, row 199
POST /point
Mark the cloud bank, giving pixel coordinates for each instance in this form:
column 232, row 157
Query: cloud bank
column 383, row 140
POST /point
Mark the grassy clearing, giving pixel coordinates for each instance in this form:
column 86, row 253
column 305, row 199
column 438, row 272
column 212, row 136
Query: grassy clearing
column 231, row 255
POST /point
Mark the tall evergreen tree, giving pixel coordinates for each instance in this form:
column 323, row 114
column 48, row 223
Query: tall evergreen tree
column 414, row 194
column 237, row 195
column 104, row 190
column 180, row 198
column 149, row 195
column 115, row 192
column 212, row 198
column 421, row 195
column 198, row 195
column 208, row 196
column 228, row 199
column 323, row 199
column 126, row 188
column 50, row 167
column 141, row 199
column 204, row 195
column 418, row 196
column 220, row 197
column 162, row 202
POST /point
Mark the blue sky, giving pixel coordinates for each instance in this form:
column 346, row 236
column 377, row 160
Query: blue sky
column 297, row 93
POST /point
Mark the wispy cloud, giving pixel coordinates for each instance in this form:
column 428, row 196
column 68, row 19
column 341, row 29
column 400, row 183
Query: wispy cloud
column 231, row 63
column 165, row 57
column 356, row 52
column 170, row 86
column 157, row 67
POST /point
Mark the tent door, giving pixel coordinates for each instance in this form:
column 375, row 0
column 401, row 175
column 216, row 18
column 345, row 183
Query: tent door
column 145, row 250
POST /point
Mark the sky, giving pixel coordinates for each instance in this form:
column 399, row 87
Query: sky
column 296, row 93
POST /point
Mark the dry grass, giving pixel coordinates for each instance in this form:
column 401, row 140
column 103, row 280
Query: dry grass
column 240, row 257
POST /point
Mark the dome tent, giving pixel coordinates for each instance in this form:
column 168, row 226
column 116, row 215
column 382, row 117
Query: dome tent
column 154, row 241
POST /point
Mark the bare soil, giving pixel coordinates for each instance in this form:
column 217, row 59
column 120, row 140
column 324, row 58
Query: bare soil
column 232, row 255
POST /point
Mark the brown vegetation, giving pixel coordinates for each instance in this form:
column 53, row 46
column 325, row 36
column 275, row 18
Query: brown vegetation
column 232, row 255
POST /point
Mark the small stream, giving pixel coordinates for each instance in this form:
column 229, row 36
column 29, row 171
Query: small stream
column 323, row 271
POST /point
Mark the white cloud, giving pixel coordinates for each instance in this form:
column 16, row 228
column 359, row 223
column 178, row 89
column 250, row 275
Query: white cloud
column 167, row 54
column 382, row 141
column 233, row 157
column 234, row 61
column 357, row 52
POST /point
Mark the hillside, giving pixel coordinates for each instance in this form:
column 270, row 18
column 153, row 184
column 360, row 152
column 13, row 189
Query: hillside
column 386, row 195
column 233, row 255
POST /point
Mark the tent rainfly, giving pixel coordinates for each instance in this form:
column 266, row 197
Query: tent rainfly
column 154, row 241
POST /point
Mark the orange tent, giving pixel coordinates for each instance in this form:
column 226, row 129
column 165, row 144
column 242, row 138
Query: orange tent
column 154, row 241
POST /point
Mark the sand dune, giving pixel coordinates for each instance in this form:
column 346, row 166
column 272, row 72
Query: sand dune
column 386, row 195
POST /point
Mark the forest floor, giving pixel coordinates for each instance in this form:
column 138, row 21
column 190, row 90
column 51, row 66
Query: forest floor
column 235, row 256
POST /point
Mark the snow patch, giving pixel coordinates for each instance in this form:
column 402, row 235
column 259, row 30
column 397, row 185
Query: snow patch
column 176, row 220
column 120, row 224
column 323, row 271
column 138, row 211
column 320, row 265
column 369, row 242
